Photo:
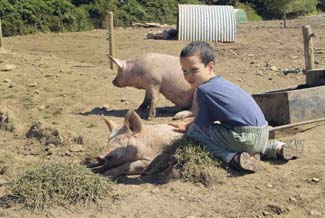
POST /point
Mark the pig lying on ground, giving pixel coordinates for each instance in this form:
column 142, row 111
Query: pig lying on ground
column 132, row 147
column 155, row 73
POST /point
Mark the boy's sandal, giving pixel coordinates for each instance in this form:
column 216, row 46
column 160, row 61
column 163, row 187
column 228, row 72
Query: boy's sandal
column 245, row 161
column 293, row 149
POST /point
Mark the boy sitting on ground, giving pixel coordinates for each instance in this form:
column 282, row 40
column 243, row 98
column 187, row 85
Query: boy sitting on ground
column 229, row 123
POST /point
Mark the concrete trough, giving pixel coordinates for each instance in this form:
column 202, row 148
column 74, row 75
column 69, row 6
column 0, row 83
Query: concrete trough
column 288, row 106
column 315, row 77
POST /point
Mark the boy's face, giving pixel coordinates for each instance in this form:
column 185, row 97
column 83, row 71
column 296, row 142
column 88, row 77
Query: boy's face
column 195, row 72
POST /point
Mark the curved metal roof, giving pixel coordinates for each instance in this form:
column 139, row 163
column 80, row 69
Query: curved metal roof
column 206, row 23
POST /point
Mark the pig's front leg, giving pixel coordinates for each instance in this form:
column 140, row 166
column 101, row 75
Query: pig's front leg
column 145, row 103
column 130, row 168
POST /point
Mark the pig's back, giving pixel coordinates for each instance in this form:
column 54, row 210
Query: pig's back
column 159, row 135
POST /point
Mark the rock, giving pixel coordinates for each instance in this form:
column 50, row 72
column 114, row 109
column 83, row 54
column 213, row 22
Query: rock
column 12, row 85
column 155, row 191
column 315, row 179
column 273, row 68
column 260, row 73
column 46, row 135
column 106, row 107
column 68, row 153
column 123, row 99
column 266, row 213
column 41, row 107
column 76, row 148
column 8, row 67
column 7, row 81
column 32, row 84
column 315, row 213
column 269, row 185
column 49, row 75
column 151, row 35
column 293, row 200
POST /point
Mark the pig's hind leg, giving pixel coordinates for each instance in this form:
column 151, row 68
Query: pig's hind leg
column 129, row 168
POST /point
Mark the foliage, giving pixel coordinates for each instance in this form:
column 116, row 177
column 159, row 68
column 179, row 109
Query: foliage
column 52, row 184
column 276, row 8
column 321, row 4
column 29, row 16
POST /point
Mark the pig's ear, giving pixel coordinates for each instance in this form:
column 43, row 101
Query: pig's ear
column 120, row 63
column 133, row 121
column 110, row 124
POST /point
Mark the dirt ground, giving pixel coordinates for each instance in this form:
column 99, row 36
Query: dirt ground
column 62, row 79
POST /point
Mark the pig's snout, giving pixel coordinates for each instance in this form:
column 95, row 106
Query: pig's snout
column 115, row 83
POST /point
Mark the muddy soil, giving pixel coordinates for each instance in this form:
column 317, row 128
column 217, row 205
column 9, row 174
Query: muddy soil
column 62, row 80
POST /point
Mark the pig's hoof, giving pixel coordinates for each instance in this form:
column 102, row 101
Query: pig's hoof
column 98, row 170
column 92, row 165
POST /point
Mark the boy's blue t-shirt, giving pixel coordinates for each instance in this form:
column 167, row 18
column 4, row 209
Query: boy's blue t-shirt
column 221, row 100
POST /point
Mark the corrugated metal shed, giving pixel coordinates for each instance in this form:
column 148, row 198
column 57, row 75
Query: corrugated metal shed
column 206, row 23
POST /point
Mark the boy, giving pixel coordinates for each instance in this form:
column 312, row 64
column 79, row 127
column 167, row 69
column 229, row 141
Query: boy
column 229, row 123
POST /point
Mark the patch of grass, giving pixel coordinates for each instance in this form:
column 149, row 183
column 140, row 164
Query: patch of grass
column 189, row 162
column 56, row 184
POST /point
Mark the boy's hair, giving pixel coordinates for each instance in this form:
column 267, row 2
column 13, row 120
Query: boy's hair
column 201, row 49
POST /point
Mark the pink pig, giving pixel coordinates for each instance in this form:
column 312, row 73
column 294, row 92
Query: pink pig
column 132, row 147
column 156, row 73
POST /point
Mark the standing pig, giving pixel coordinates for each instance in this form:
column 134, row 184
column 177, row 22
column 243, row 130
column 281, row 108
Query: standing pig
column 155, row 73
column 132, row 147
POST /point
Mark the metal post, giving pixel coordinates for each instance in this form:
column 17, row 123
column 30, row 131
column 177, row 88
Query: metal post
column 111, row 37
column 308, row 47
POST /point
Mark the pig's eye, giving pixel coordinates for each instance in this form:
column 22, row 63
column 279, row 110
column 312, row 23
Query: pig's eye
column 186, row 73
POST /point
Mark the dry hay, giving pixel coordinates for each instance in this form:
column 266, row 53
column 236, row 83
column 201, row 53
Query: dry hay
column 188, row 161
column 56, row 184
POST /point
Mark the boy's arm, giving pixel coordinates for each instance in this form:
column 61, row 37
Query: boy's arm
column 181, row 126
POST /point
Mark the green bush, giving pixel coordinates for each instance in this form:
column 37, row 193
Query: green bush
column 276, row 8
column 29, row 16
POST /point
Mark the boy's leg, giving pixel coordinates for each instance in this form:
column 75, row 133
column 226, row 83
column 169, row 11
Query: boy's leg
column 286, row 151
column 220, row 152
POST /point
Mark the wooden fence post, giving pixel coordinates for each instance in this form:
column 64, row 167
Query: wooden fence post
column 285, row 20
column 1, row 42
column 110, row 29
column 308, row 47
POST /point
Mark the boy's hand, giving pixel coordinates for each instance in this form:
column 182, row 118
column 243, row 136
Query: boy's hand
column 180, row 126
